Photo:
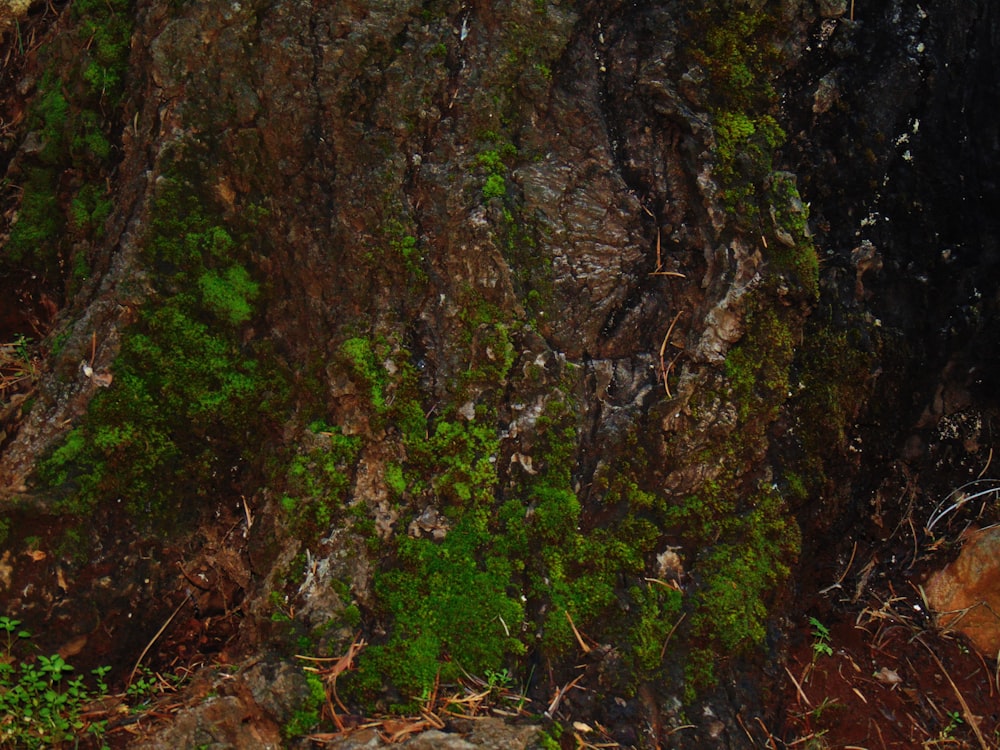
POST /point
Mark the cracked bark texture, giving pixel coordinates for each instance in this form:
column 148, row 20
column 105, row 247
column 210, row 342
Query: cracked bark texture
column 360, row 124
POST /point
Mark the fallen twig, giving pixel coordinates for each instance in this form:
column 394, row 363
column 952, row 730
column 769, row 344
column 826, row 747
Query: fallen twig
column 969, row 718
column 839, row 581
column 772, row 743
column 664, row 370
column 670, row 635
column 579, row 638
column 153, row 639
column 341, row 664
column 554, row 705
column 798, row 687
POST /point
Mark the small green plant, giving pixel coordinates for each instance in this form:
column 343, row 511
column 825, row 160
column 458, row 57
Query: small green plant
column 143, row 688
column 821, row 639
column 11, row 632
column 99, row 674
column 498, row 680
column 954, row 722
column 40, row 703
column 827, row 704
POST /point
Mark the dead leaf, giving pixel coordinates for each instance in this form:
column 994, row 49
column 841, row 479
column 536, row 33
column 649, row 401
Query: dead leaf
column 73, row 647
column 888, row 677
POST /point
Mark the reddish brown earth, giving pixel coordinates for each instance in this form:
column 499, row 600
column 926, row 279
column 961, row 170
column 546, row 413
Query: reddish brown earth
column 891, row 681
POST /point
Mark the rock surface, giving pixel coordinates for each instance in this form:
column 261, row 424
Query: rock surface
column 966, row 594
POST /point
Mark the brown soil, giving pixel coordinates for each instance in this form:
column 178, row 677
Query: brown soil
column 891, row 681
column 883, row 675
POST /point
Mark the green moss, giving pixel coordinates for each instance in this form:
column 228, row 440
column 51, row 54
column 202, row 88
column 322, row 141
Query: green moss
column 573, row 571
column 39, row 222
column 351, row 616
column 738, row 576
column 460, row 459
column 184, row 240
column 318, row 481
column 229, row 294
column 493, row 161
column 143, row 439
column 795, row 486
column 528, row 42
column 518, row 238
column 107, row 27
column 451, row 611
column 88, row 142
column 395, row 480
column 514, row 561
column 50, row 115
column 405, row 247
column 744, row 150
column 89, row 210
column 835, row 367
column 73, row 115
column 792, row 252
column 364, row 362
column 758, row 366
column 307, row 716
column 491, row 348
column 741, row 536
column 494, row 187
column 659, row 610
column 732, row 42
column 189, row 399
column 549, row 739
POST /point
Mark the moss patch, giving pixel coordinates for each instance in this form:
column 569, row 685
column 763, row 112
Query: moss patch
column 186, row 406
column 63, row 199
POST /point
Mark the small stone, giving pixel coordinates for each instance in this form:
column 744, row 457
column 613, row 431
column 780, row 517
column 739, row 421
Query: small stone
column 715, row 729
column 468, row 411
column 826, row 95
